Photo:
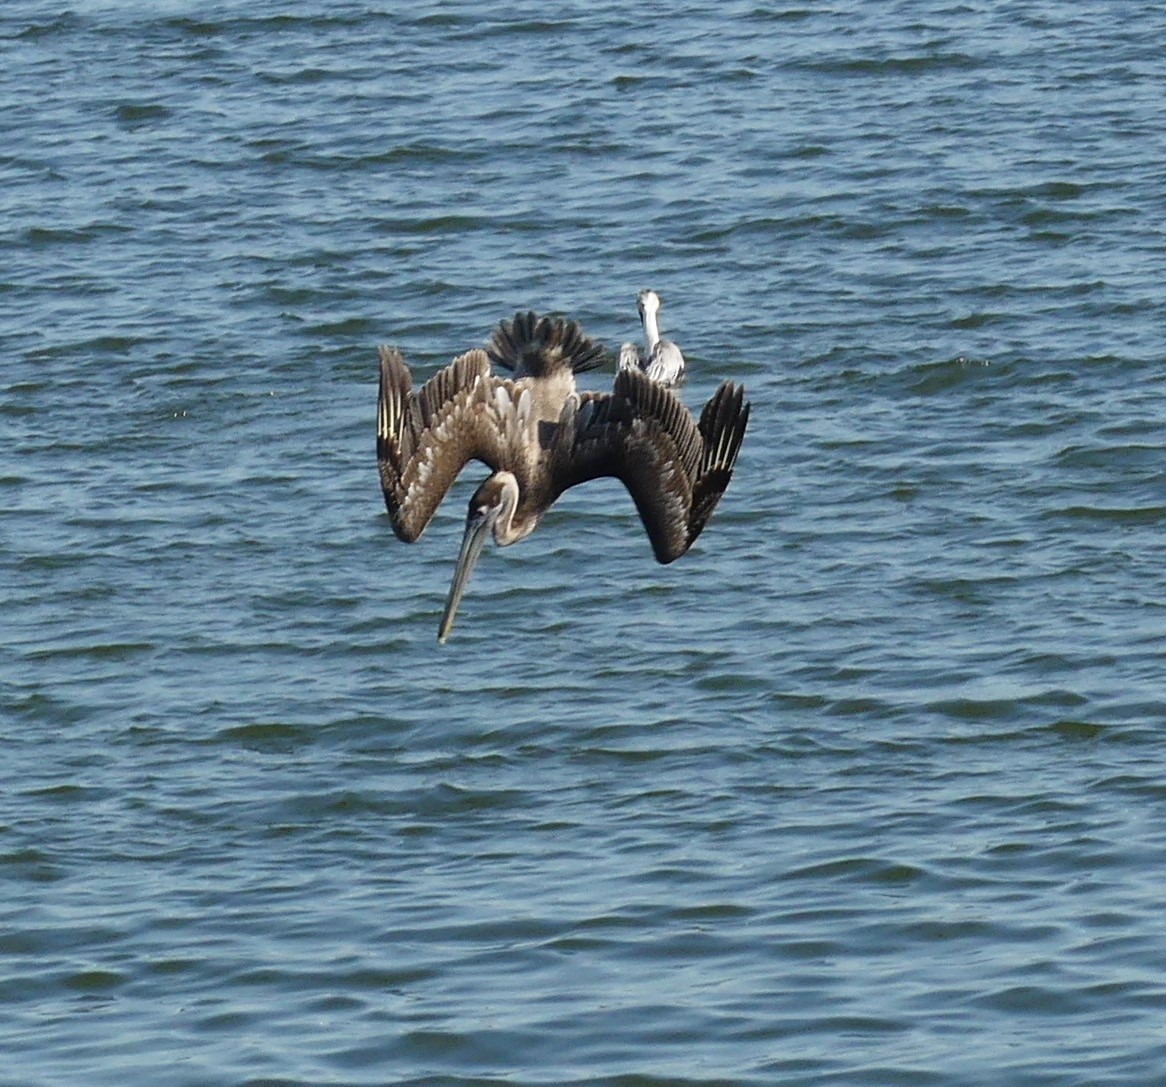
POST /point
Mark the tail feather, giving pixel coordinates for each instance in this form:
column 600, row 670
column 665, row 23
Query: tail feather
column 533, row 346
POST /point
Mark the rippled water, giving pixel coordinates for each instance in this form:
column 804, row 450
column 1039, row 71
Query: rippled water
column 867, row 789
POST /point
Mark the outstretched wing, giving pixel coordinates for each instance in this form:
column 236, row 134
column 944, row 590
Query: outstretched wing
column 674, row 468
column 425, row 439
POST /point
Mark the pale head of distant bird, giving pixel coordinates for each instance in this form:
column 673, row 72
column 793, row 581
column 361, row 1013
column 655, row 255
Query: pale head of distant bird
column 648, row 301
column 491, row 511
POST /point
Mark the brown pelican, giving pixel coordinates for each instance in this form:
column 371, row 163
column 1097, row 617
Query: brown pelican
column 663, row 361
column 539, row 436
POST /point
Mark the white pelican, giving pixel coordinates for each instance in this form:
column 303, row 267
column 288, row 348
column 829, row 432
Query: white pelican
column 662, row 361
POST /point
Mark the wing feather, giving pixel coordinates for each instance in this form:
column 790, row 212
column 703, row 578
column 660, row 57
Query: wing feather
column 722, row 429
column 425, row 439
column 674, row 468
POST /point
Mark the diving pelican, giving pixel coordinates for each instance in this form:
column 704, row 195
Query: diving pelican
column 539, row 436
column 663, row 361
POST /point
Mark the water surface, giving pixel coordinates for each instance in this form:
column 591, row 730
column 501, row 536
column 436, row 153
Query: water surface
column 864, row 790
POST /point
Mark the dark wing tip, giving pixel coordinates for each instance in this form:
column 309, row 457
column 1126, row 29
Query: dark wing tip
column 722, row 427
column 392, row 361
column 722, row 430
column 396, row 383
column 393, row 434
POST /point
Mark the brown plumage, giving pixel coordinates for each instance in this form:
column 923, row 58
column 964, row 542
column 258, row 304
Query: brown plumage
column 539, row 436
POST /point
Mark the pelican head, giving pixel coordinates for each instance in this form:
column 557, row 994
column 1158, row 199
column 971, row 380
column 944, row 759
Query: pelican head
column 648, row 302
column 491, row 511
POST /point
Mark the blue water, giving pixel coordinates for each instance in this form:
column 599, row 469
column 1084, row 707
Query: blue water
column 866, row 790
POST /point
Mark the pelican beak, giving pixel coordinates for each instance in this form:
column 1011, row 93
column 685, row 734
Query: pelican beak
column 477, row 532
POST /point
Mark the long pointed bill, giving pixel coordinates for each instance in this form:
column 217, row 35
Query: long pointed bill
column 477, row 532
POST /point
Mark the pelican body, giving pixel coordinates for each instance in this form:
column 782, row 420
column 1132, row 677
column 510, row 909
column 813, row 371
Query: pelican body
column 662, row 360
column 540, row 436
